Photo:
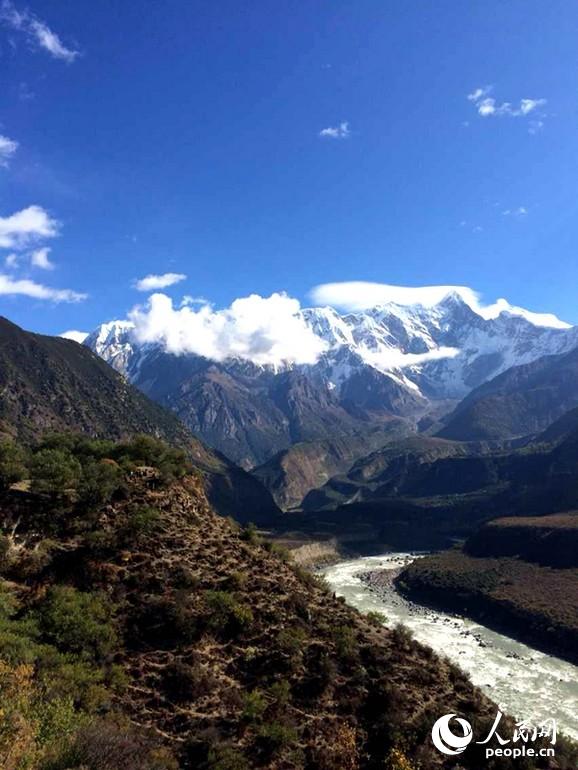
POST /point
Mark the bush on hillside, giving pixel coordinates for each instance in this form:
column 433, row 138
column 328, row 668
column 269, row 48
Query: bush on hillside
column 12, row 463
column 54, row 472
column 78, row 622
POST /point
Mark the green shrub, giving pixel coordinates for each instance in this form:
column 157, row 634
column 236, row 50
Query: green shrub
column 250, row 534
column 345, row 642
column 104, row 745
column 280, row 692
column 226, row 615
column 12, row 463
column 254, row 706
column 280, row 551
column 276, row 736
column 292, row 640
column 227, row 758
column 77, row 622
column 54, row 472
column 141, row 522
column 165, row 622
column 146, row 450
column 237, row 581
column 376, row 618
column 402, row 636
column 100, row 480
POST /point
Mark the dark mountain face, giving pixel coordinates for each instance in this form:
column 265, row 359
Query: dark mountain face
column 52, row 384
column 428, row 490
column 522, row 401
column 250, row 413
column 305, row 466
column 383, row 473
column 412, row 362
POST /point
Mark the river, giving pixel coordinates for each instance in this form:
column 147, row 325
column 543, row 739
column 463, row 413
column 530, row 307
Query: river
column 527, row 683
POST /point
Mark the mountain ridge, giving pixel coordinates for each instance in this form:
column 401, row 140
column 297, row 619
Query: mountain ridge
column 50, row 384
column 389, row 361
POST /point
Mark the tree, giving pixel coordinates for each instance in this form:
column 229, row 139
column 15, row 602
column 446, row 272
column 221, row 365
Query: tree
column 100, row 480
column 54, row 472
column 12, row 463
column 78, row 622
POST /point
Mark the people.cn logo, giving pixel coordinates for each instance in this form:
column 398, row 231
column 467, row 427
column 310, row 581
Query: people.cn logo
column 448, row 742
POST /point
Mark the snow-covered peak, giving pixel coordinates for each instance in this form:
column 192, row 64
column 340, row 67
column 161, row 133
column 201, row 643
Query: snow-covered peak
column 442, row 349
column 111, row 333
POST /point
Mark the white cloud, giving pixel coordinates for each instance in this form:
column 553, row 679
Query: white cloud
column 7, row 149
column 40, row 258
column 36, row 31
column 521, row 211
column 336, row 132
column 363, row 295
column 265, row 330
column 487, row 106
column 27, row 288
column 188, row 300
column 535, row 126
column 386, row 359
column 24, row 227
column 74, row 335
column 11, row 261
column 50, row 41
column 529, row 105
column 479, row 93
column 153, row 282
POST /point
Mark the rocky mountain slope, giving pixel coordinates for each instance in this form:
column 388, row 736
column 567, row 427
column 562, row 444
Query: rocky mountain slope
column 392, row 360
column 425, row 491
column 165, row 637
column 52, row 384
column 293, row 472
column 524, row 400
column 384, row 472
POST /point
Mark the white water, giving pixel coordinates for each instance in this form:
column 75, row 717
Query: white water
column 527, row 683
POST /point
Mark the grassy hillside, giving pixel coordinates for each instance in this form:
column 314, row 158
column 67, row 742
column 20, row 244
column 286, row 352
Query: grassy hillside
column 51, row 384
column 140, row 630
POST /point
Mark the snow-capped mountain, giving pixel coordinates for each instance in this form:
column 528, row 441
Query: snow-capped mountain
column 390, row 361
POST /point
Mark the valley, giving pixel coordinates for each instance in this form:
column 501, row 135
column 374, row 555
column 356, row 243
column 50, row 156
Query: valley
column 222, row 635
column 529, row 683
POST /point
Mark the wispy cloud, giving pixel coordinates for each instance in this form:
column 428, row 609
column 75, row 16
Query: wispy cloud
column 479, row 93
column 154, row 282
column 26, row 227
column 363, row 295
column 40, row 258
column 28, row 288
column 7, row 149
column 187, row 300
column 487, row 106
column 336, row 132
column 74, row 335
column 520, row 211
column 36, row 31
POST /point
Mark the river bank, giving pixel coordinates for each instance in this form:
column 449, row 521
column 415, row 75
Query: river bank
column 528, row 683
column 536, row 604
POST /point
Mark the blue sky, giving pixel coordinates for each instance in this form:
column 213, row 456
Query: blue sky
column 186, row 137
